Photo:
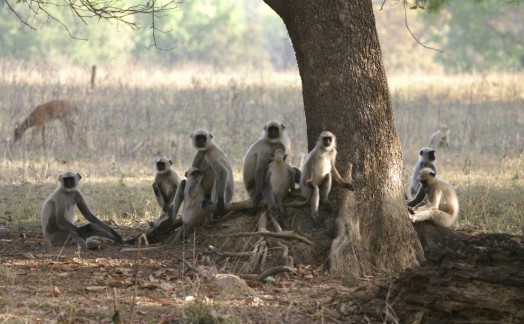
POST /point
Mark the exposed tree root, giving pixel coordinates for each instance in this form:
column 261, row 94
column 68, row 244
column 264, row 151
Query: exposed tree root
column 275, row 270
column 288, row 235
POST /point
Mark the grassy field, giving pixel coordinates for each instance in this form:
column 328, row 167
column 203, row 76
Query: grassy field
column 133, row 116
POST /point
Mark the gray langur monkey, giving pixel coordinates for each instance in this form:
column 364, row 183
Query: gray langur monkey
column 319, row 172
column 258, row 157
column 194, row 200
column 166, row 182
column 58, row 215
column 217, row 181
column 439, row 139
column 426, row 159
column 280, row 179
column 442, row 205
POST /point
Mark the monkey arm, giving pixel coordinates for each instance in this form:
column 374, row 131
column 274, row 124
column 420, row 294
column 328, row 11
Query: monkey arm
column 338, row 179
column 421, row 193
column 158, row 194
column 82, row 206
column 260, row 171
column 177, row 200
column 433, row 202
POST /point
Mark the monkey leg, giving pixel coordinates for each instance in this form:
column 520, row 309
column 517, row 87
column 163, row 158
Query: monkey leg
column 62, row 237
column 325, row 189
column 286, row 222
column 269, row 197
column 438, row 217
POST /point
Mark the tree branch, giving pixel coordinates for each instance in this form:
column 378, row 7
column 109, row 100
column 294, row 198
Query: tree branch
column 413, row 35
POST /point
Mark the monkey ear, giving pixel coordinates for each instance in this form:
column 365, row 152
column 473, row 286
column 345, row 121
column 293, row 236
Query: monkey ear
column 170, row 162
column 60, row 178
column 210, row 135
column 185, row 174
column 283, row 127
column 421, row 152
column 79, row 176
column 433, row 174
column 285, row 157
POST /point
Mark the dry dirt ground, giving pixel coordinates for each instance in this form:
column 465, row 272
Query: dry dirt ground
column 465, row 279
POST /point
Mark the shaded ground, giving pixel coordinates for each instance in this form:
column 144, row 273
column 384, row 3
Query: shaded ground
column 472, row 279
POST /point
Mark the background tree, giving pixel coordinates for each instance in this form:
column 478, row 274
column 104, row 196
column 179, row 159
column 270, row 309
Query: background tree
column 478, row 36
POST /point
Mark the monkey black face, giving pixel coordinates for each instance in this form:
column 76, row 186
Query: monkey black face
column 161, row 166
column 429, row 154
column 327, row 140
column 68, row 182
column 200, row 141
column 273, row 132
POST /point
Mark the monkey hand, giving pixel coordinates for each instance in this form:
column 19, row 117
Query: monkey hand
column 220, row 207
column 310, row 184
column 349, row 186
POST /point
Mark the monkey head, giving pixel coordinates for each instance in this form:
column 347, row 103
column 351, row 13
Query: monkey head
column 426, row 177
column 69, row 180
column 273, row 131
column 279, row 155
column 201, row 138
column 427, row 154
column 327, row 140
column 163, row 164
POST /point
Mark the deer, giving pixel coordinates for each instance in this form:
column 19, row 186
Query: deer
column 56, row 109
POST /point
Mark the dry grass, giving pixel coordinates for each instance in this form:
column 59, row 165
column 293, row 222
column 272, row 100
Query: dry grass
column 133, row 116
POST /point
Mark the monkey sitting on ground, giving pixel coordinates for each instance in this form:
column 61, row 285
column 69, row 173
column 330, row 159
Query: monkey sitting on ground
column 58, row 215
column 440, row 137
column 166, row 183
column 318, row 173
column 280, row 179
column 217, row 181
column 426, row 159
column 258, row 157
column 442, row 205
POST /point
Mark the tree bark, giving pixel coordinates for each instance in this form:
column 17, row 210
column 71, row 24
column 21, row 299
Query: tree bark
column 345, row 91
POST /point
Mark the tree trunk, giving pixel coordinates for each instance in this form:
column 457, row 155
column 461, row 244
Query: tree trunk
column 345, row 91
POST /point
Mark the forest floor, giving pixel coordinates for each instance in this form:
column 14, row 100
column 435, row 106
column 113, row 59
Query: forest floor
column 468, row 278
